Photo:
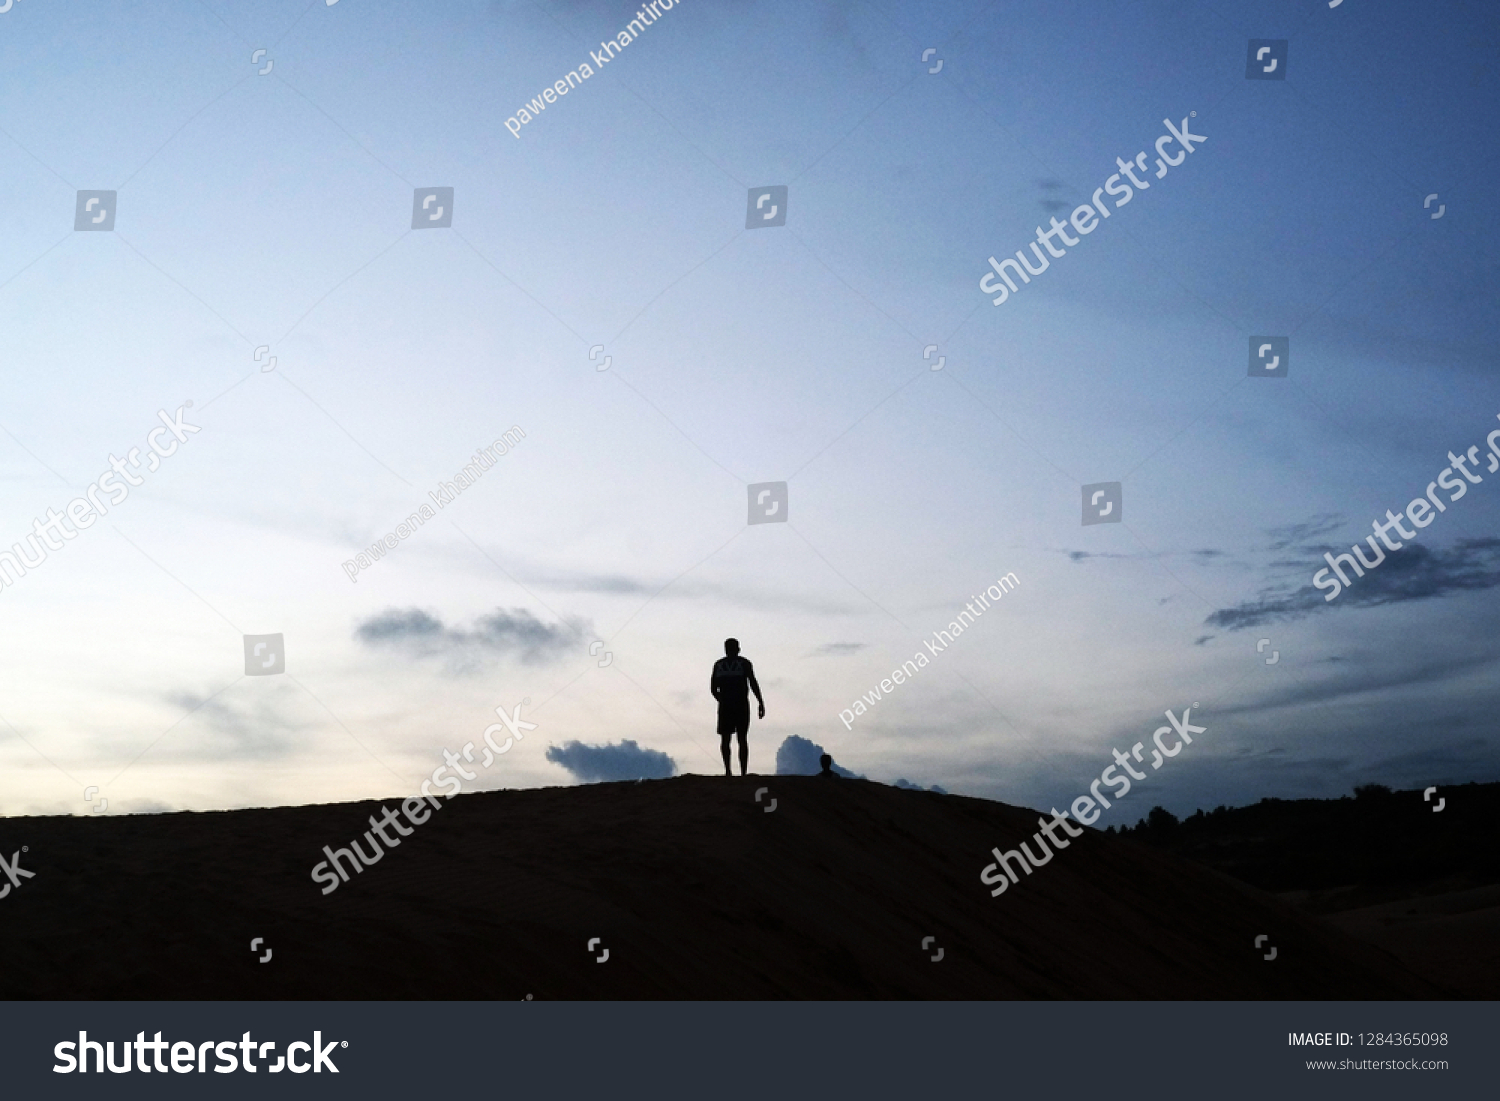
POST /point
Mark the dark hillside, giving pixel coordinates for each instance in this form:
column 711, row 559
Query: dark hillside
column 692, row 887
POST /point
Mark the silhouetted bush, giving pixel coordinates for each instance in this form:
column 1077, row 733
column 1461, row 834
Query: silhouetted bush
column 1160, row 822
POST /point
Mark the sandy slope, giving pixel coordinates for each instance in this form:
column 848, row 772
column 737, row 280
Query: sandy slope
column 1453, row 938
column 695, row 890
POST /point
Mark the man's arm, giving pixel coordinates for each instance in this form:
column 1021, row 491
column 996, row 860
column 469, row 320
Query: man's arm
column 713, row 681
column 754, row 687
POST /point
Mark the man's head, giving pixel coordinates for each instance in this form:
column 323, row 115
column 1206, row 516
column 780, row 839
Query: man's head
column 827, row 762
column 731, row 646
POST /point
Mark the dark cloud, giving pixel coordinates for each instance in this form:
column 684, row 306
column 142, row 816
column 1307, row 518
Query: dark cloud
column 1368, row 676
column 1201, row 639
column 260, row 727
column 909, row 786
column 1051, row 204
column 1285, row 775
column 685, row 589
column 393, row 625
column 1271, row 605
column 1203, row 555
column 839, row 649
column 145, row 806
column 600, row 583
column 515, row 633
column 1415, row 572
column 1438, row 764
column 1369, row 718
column 1290, row 534
column 797, row 756
column 591, row 764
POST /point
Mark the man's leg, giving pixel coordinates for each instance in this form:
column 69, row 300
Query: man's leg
column 744, row 749
column 726, row 731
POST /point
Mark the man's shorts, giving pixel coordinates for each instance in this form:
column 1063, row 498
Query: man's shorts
column 734, row 720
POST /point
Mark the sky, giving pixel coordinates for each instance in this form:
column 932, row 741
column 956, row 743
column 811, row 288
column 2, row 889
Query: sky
column 595, row 287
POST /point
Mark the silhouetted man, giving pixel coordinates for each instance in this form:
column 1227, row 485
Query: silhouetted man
column 827, row 762
column 732, row 682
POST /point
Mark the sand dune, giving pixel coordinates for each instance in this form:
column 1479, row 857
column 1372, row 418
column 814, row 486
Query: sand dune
column 1453, row 938
column 693, row 888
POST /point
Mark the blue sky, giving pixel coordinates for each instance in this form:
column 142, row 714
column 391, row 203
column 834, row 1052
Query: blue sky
column 276, row 209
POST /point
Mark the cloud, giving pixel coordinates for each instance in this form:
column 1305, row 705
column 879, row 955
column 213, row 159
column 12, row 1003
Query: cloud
column 1433, row 764
column 142, row 806
column 796, row 756
column 591, row 764
column 1052, row 205
column 1269, row 606
column 909, row 786
column 599, row 583
column 1290, row 776
column 1414, row 572
column 1203, row 555
column 1289, row 534
column 685, row 589
column 258, row 728
column 838, row 649
column 515, row 633
column 1370, row 676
